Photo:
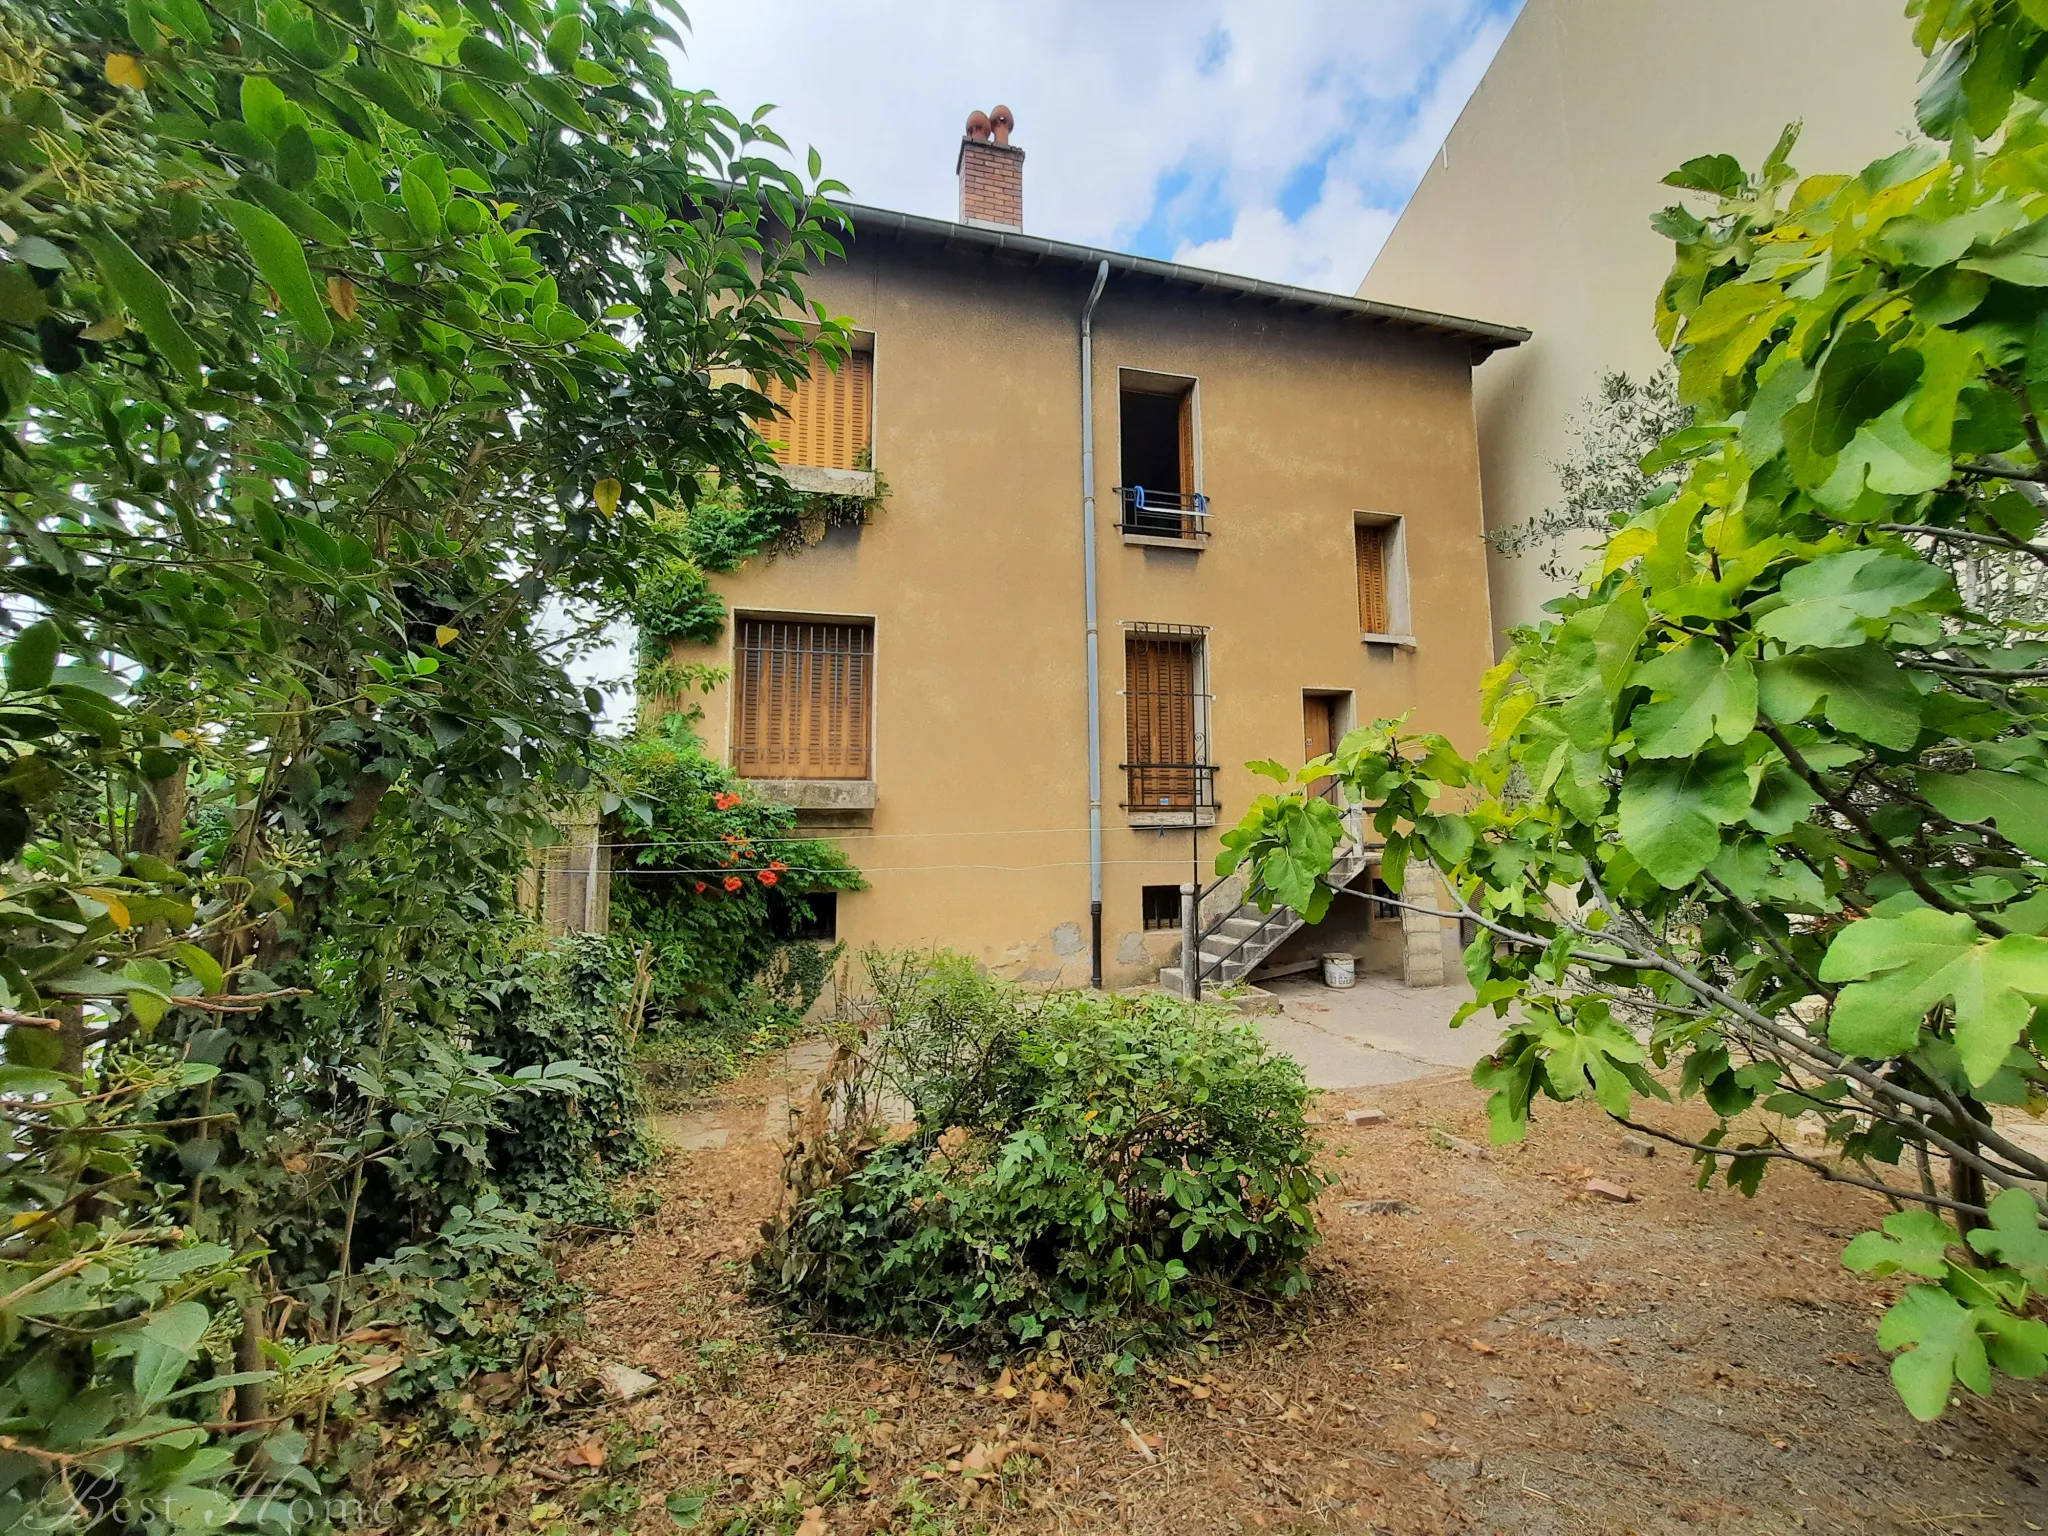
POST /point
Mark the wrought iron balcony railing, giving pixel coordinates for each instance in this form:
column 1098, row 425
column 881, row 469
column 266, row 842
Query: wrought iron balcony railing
column 1170, row 788
column 1181, row 515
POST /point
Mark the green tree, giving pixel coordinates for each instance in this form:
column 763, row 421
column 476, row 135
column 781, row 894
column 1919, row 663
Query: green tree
column 1601, row 479
column 336, row 338
column 1779, row 809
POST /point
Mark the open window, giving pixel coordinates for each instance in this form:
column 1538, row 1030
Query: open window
column 1380, row 545
column 1161, row 495
column 805, row 699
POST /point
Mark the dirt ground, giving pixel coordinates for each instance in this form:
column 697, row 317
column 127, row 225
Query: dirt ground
column 1495, row 1351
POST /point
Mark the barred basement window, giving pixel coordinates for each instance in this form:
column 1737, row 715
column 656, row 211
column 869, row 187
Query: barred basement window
column 805, row 701
column 1161, row 906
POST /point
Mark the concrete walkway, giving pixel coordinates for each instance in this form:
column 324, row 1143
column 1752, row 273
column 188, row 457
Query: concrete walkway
column 1377, row 1031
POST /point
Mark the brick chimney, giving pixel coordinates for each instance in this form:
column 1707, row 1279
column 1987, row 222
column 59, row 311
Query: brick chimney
column 991, row 171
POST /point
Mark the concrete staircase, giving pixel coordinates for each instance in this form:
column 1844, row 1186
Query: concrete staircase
column 1238, row 944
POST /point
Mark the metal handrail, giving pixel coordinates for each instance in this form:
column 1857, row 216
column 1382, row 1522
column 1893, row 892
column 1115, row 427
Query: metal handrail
column 1202, row 966
column 1168, row 512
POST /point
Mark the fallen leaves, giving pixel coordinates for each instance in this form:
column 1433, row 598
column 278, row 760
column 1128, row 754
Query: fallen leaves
column 372, row 1371
column 590, row 1453
column 1146, row 1446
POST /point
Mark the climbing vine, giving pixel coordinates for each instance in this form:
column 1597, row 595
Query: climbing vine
column 726, row 526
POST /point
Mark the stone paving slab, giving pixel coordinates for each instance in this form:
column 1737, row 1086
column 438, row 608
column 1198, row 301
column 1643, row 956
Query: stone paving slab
column 1377, row 1031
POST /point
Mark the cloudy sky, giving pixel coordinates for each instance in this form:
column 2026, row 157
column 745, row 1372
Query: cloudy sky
column 1276, row 138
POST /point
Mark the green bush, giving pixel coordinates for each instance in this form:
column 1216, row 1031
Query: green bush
column 715, row 885
column 560, row 1153
column 1083, row 1171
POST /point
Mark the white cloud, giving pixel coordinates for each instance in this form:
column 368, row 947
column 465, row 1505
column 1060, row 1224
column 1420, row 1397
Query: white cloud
column 1225, row 99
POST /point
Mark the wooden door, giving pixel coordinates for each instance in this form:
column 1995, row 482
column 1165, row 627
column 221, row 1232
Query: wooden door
column 1318, row 732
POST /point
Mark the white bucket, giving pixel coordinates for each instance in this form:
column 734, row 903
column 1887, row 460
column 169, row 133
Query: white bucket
column 1340, row 970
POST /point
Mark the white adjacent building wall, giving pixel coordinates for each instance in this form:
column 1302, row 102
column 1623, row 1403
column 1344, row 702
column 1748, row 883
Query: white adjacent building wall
column 1536, row 211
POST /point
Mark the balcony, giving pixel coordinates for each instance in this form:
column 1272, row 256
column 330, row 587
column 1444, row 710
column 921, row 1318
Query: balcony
column 1170, row 794
column 1174, row 519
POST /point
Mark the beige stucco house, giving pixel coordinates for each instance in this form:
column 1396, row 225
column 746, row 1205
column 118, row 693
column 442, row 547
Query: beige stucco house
column 1538, row 205
column 1143, row 524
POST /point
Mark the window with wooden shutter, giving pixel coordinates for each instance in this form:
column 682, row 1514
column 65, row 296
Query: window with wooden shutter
column 1162, row 713
column 828, row 422
column 805, row 699
column 1375, row 606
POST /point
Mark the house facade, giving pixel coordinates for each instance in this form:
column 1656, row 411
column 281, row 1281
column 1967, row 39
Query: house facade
column 1539, row 203
column 1251, row 517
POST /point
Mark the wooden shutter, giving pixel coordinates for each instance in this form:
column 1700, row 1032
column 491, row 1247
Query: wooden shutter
column 1375, row 612
column 827, row 425
column 805, row 698
column 1159, row 715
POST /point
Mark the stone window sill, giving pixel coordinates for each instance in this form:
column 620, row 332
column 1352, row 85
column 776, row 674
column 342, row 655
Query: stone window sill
column 1404, row 642
column 1205, row 816
column 1197, row 541
column 817, row 794
column 829, row 482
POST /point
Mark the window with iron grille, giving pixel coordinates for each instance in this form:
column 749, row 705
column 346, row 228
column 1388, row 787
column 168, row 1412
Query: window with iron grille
column 805, row 699
column 1160, row 905
column 1166, row 730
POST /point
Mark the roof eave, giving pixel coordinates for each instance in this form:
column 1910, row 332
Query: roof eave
column 1483, row 336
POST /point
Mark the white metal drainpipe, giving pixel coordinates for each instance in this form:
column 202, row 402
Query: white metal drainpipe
column 1094, row 640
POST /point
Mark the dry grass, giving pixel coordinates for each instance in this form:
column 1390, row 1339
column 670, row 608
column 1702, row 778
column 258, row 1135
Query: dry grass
column 1510, row 1356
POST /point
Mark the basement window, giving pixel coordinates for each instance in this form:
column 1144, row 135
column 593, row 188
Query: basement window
column 1161, row 905
column 822, row 924
column 1160, row 497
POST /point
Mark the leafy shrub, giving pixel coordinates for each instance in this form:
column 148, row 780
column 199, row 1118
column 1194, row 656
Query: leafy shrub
column 1083, row 1171
column 714, row 885
column 674, row 602
column 482, row 1297
column 559, row 1152
column 683, row 1056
